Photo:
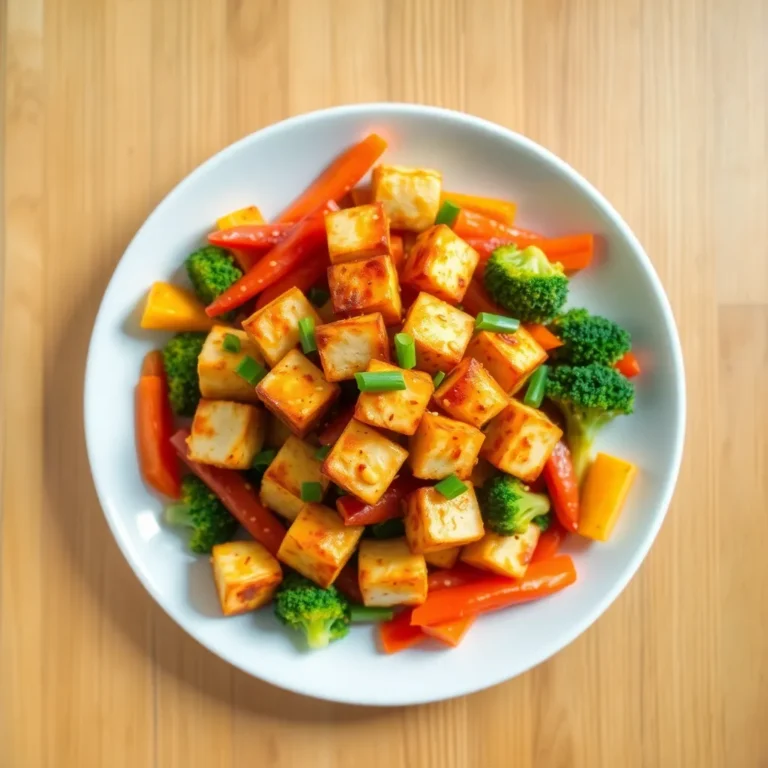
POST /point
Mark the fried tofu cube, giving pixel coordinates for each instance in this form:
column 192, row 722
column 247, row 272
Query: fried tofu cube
column 357, row 233
column 390, row 574
column 440, row 263
column 318, row 544
column 275, row 328
column 296, row 392
column 441, row 333
column 246, row 575
column 294, row 464
column 216, row 367
column 364, row 462
column 509, row 357
column 520, row 440
column 346, row 347
column 363, row 287
column 442, row 447
column 434, row 523
column 226, row 434
column 469, row 393
column 445, row 558
column 505, row 555
column 411, row 196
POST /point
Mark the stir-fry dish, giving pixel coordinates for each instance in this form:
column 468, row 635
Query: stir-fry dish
column 377, row 407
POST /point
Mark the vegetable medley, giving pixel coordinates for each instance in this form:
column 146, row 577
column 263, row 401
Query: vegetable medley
column 390, row 398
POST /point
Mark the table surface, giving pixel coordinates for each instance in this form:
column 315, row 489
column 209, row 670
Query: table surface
column 108, row 103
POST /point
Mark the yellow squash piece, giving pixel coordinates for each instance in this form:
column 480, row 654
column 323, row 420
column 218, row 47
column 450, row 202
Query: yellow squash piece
column 249, row 215
column 602, row 497
column 170, row 308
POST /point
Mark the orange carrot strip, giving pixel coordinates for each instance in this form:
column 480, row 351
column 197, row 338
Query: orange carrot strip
column 452, row 632
column 303, row 277
column 475, row 225
column 499, row 210
column 545, row 338
column 477, row 300
column 398, row 633
column 549, row 543
column 628, row 365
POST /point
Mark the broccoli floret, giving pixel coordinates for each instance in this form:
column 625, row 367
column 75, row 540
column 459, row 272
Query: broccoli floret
column 589, row 396
column 321, row 614
column 542, row 522
column 212, row 270
column 508, row 505
column 180, row 360
column 526, row 283
column 589, row 339
column 201, row 510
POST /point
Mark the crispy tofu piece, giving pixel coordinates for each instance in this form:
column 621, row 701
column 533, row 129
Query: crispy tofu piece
column 505, row 555
column 364, row 462
column 469, row 393
column 226, row 434
column 246, row 575
column 441, row 333
column 445, row 558
column 216, row 368
column 390, row 574
column 411, row 196
column 363, row 287
column 347, row 346
column 520, row 440
column 275, row 328
column 509, row 357
column 294, row 464
column 442, row 447
column 318, row 544
column 296, row 392
column 440, row 263
column 398, row 410
column 357, row 233
column 434, row 523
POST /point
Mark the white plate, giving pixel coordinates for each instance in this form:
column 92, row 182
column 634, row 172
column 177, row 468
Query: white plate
column 268, row 169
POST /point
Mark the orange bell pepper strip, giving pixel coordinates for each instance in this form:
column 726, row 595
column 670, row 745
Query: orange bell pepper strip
column 563, row 487
column 398, row 633
column 396, row 250
column 338, row 178
column 303, row 277
column 549, row 543
column 605, row 488
column 498, row 210
column 628, row 365
column 452, row 632
column 543, row 336
column 249, row 215
column 256, row 238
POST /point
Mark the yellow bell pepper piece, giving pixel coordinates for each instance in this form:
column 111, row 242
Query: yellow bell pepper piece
column 602, row 497
column 249, row 215
column 499, row 210
column 170, row 308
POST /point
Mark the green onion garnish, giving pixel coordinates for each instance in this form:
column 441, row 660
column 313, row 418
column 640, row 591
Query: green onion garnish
column 318, row 296
column 380, row 381
column 311, row 492
column 437, row 379
column 263, row 459
column 447, row 213
column 359, row 614
column 322, row 452
column 536, row 386
column 451, row 487
column 405, row 347
column 485, row 321
column 231, row 343
column 250, row 370
column 307, row 335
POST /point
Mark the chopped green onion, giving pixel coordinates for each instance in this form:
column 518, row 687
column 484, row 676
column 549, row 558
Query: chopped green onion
column 388, row 529
column 311, row 492
column 536, row 386
column 250, row 370
column 231, row 343
column 307, row 335
column 437, row 379
column 405, row 347
column 380, row 381
column 451, row 487
column 447, row 213
column 318, row 296
column 322, row 452
column 263, row 459
column 496, row 323
column 359, row 614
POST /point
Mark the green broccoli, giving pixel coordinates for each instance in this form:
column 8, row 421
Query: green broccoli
column 180, row 361
column 201, row 510
column 526, row 283
column 211, row 271
column 321, row 614
column 589, row 396
column 542, row 522
column 508, row 505
column 588, row 339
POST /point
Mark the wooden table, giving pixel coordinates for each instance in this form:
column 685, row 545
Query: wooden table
column 108, row 103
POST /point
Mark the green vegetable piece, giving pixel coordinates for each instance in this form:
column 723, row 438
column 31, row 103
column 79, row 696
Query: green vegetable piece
column 388, row 529
column 588, row 339
column 437, row 379
column 264, row 459
column 250, row 370
column 542, row 522
column 360, row 614
column 322, row 452
column 405, row 347
column 231, row 343
column 507, row 505
column 180, row 362
column 485, row 321
column 447, row 213
column 380, row 381
column 318, row 296
column 450, row 487
column 311, row 492
column 307, row 335
column 211, row 271
column 537, row 384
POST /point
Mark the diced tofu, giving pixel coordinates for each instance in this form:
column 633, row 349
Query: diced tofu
column 390, row 574
column 434, row 523
column 440, row 263
column 318, row 544
column 469, row 393
column 520, row 440
column 226, row 434
column 399, row 410
column 216, row 368
column 347, row 346
column 296, row 392
column 509, row 357
column 442, row 447
column 246, row 575
column 441, row 333
column 363, row 287
column 364, row 462
column 445, row 558
column 294, row 464
column 411, row 196
column 357, row 233
column 505, row 555
column 275, row 328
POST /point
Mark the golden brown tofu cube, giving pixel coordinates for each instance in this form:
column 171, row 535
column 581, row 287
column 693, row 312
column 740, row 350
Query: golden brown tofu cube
column 246, row 575
column 411, row 196
column 440, row 263
column 505, row 555
column 520, row 440
column 318, row 544
column 509, row 357
column 357, row 233
column 390, row 574
column 216, row 367
column 442, row 447
column 445, row 558
column 363, row 287
column 441, row 333
column 347, row 346
column 364, row 462
column 275, row 328
column 434, row 523
column 469, row 393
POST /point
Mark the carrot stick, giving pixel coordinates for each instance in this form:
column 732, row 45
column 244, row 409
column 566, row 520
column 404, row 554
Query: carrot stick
column 152, row 364
column 543, row 336
column 477, row 300
column 476, row 225
column 628, row 365
column 303, row 277
column 549, row 543
column 452, row 632
column 563, row 486
column 251, row 237
column 574, row 252
column 498, row 210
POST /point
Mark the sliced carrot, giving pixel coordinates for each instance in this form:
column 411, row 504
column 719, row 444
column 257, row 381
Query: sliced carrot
column 628, row 365
column 574, row 252
column 396, row 250
column 257, row 238
column 470, row 224
column 398, row 633
column 303, row 277
column 563, row 486
column 549, row 543
column 152, row 364
column 498, row 210
column 452, row 632
column 545, row 338
column 477, row 300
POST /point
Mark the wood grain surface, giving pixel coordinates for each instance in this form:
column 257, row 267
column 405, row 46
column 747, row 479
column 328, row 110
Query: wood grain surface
column 108, row 103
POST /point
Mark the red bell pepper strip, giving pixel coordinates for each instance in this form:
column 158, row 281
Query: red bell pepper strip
column 452, row 632
column 543, row 336
column 460, row 574
column 356, row 512
column 251, row 237
column 348, row 583
column 333, row 429
column 563, row 486
column 477, row 300
column 398, row 633
column 549, row 543
column 303, row 277
column 628, row 365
